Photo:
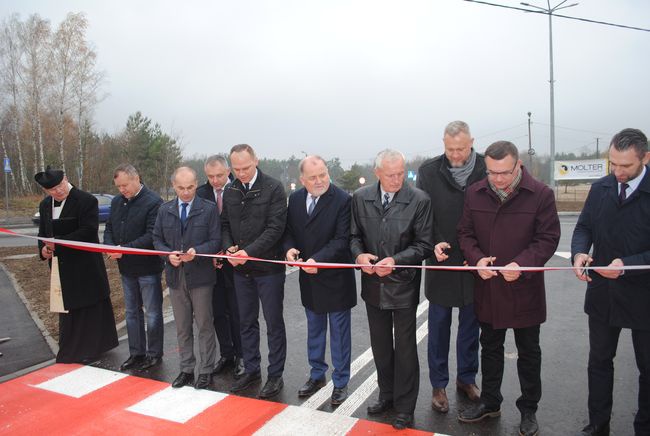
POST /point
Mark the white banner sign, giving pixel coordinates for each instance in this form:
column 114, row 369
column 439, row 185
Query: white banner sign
column 580, row 169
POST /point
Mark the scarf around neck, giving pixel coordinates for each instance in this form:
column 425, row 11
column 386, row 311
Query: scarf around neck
column 461, row 174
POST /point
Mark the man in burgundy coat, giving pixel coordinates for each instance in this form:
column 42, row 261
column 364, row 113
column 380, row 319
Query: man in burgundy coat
column 509, row 219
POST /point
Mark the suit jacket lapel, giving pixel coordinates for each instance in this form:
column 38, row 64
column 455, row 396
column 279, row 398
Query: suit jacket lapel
column 320, row 204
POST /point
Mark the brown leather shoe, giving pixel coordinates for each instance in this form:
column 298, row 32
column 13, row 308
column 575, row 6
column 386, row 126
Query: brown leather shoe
column 471, row 390
column 439, row 400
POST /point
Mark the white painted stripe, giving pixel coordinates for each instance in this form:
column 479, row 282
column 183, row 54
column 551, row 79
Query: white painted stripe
column 177, row 404
column 358, row 397
column 320, row 397
column 361, row 394
column 300, row 421
column 81, row 381
column 564, row 254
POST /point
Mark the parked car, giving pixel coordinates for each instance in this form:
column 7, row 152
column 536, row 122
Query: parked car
column 104, row 203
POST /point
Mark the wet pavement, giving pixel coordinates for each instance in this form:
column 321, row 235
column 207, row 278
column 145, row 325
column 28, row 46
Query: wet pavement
column 564, row 342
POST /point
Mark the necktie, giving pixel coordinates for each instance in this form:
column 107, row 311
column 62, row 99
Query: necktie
column 623, row 194
column 57, row 203
column 220, row 199
column 246, row 187
column 312, row 205
column 386, row 200
column 183, row 214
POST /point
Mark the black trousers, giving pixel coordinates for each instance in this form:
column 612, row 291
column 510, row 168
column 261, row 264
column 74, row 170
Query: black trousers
column 269, row 291
column 398, row 369
column 529, row 365
column 226, row 313
column 603, row 341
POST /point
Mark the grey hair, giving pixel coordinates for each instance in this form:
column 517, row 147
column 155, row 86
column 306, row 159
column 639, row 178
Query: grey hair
column 388, row 155
column 127, row 169
column 179, row 169
column 456, row 127
column 216, row 158
column 301, row 166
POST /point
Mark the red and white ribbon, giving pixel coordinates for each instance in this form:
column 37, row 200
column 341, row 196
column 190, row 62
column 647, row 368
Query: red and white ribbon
column 102, row 248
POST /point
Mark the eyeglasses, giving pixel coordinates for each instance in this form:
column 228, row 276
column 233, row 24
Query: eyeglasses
column 501, row 173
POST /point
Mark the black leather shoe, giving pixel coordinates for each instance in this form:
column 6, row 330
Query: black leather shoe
column 132, row 362
column 402, row 421
column 379, row 406
column 183, row 379
column 245, row 381
column 239, row 369
column 528, row 426
column 272, row 387
column 311, row 387
column 479, row 412
column 149, row 362
column 203, row 381
column 339, row 395
column 223, row 363
column 596, row 430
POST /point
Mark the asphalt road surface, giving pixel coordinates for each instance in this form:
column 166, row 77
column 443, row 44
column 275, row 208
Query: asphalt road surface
column 564, row 342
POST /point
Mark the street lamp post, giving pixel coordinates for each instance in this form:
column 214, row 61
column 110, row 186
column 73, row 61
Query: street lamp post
column 531, row 152
column 549, row 11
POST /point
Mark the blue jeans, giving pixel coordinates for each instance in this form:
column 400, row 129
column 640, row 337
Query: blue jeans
column 340, row 345
column 466, row 344
column 144, row 292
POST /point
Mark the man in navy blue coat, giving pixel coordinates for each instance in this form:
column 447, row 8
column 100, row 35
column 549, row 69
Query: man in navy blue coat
column 318, row 230
column 616, row 222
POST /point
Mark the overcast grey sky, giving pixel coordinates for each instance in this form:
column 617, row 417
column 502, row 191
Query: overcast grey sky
column 347, row 78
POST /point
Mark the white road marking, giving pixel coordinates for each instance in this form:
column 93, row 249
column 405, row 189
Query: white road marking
column 320, row 397
column 361, row 394
column 300, row 421
column 177, row 404
column 81, row 381
column 564, row 254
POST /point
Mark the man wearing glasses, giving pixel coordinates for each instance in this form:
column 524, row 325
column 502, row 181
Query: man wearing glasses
column 509, row 220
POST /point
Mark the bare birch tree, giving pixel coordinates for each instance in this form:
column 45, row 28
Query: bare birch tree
column 87, row 83
column 68, row 45
column 10, row 68
column 35, row 39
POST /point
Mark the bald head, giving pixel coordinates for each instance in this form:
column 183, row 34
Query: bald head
column 184, row 183
column 314, row 175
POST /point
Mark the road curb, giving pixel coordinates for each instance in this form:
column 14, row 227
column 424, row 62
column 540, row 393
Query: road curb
column 54, row 346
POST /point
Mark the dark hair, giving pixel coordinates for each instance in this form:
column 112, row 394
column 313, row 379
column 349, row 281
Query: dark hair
column 243, row 147
column 500, row 149
column 630, row 138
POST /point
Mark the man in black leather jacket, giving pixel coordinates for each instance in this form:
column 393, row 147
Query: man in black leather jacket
column 391, row 225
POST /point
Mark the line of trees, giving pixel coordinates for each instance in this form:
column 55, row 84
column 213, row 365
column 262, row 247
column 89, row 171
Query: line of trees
column 49, row 85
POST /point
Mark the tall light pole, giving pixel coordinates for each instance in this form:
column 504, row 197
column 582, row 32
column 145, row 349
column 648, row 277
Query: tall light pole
column 549, row 11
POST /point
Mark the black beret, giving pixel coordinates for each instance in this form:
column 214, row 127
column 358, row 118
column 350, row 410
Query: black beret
column 49, row 178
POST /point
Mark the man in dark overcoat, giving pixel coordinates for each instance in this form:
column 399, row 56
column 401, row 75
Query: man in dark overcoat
column 446, row 178
column 224, row 299
column 615, row 221
column 88, row 328
column 509, row 220
column 318, row 230
column 391, row 225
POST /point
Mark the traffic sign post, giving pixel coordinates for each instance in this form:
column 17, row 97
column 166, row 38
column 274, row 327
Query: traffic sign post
column 7, row 165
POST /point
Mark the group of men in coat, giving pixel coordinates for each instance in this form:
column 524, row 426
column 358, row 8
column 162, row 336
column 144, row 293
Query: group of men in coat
column 467, row 209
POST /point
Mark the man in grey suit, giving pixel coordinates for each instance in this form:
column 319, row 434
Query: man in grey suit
column 187, row 226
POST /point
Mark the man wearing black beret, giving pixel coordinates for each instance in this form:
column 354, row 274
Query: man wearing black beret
column 87, row 327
